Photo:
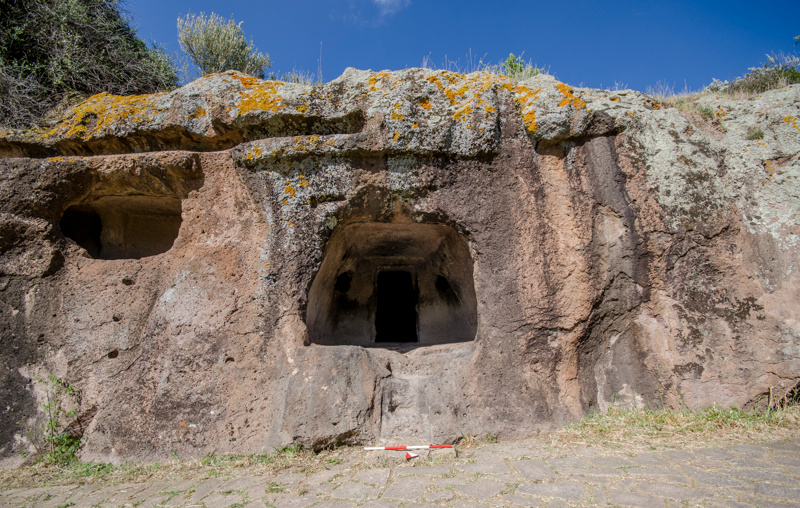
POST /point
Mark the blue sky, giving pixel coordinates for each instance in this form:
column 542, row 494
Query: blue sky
column 597, row 44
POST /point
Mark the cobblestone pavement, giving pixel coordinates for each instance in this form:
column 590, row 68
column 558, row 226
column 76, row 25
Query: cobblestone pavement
column 504, row 474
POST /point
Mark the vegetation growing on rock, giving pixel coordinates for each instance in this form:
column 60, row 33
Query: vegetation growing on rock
column 214, row 44
column 778, row 71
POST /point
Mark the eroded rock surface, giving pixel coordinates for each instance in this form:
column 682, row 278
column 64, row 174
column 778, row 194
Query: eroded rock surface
column 237, row 265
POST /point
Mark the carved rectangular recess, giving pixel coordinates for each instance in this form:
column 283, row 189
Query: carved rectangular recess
column 124, row 227
column 384, row 284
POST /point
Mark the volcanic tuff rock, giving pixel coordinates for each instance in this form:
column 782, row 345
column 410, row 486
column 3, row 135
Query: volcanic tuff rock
column 241, row 264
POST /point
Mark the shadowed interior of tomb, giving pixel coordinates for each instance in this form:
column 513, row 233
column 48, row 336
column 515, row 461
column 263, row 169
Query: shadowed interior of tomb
column 124, row 227
column 393, row 283
column 396, row 312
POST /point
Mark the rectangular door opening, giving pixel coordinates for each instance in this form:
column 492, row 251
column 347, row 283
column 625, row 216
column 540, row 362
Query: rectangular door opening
column 396, row 315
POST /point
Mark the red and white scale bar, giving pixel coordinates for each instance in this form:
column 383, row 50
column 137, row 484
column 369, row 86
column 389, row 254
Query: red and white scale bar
column 421, row 447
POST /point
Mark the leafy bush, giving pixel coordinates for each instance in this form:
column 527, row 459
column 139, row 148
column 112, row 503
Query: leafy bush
column 55, row 50
column 516, row 68
column 61, row 446
column 214, row 44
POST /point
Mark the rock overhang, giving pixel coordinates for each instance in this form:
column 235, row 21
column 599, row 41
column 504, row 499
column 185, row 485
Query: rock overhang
column 442, row 112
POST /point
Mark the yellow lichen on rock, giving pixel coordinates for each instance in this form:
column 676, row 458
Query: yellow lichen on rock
column 769, row 168
column 201, row 111
column 375, row 78
column 529, row 119
column 259, row 95
column 465, row 92
column 791, row 121
column 396, row 114
column 653, row 104
column 463, row 114
column 255, row 153
column 452, row 95
column 102, row 111
column 524, row 97
column 569, row 97
column 304, row 144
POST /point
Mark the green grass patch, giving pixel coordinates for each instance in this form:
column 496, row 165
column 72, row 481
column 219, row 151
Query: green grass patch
column 287, row 459
column 754, row 133
column 291, row 450
column 706, row 112
column 274, row 487
column 91, row 469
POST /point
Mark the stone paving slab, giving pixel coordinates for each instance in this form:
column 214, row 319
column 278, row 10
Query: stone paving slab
column 481, row 489
column 533, row 469
column 568, row 490
column 494, row 475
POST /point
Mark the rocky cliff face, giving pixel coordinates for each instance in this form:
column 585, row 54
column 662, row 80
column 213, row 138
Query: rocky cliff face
column 241, row 264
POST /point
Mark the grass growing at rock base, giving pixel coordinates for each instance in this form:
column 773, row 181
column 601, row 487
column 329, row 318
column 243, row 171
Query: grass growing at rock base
column 212, row 465
column 614, row 431
column 638, row 429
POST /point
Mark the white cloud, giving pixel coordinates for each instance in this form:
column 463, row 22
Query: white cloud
column 388, row 7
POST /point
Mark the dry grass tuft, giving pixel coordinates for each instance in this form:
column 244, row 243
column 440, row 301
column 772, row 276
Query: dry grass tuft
column 638, row 430
column 702, row 117
column 469, row 441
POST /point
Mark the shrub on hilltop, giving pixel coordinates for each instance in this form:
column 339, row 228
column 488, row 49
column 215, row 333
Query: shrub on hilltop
column 215, row 44
column 54, row 50
column 778, row 71
column 516, row 68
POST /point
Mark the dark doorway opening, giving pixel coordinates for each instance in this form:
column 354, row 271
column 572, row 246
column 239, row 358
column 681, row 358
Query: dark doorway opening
column 396, row 314
column 83, row 225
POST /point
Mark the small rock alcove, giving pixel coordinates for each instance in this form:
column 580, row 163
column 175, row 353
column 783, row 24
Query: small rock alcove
column 384, row 284
column 124, row 227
